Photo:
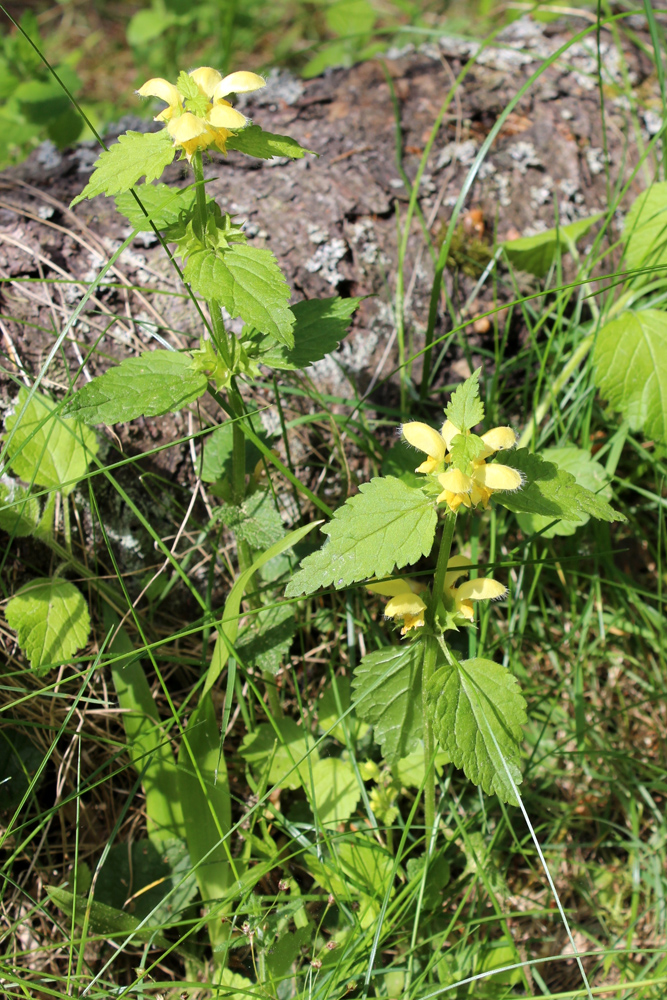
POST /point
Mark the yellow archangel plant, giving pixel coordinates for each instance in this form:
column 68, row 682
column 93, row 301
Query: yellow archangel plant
column 470, row 481
column 197, row 114
column 407, row 605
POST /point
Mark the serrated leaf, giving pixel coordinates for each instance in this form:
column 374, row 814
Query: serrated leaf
column 478, row 711
column 164, row 206
column 284, row 755
column 157, row 382
column 551, row 491
column 465, row 448
column 45, row 449
column 387, row 689
column 337, row 791
column 536, row 254
column 645, row 228
column 465, row 408
column 19, row 512
column 254, row 141
column 320, row 326
column 387, row 525
column 134, row 155
column 256, row 521
column 410, row 771
column 268, row 638
column 587, row 472
column 630, row 360
column 52, row 621
column 248, row 282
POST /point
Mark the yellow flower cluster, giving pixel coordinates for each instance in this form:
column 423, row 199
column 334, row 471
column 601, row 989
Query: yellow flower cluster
column 216, row 117
column 407, row 605
column 475, row 486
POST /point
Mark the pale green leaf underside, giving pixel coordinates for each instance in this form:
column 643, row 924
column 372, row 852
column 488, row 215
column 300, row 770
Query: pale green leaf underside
column 52, row 621
column 387, row 692
column 134, row 155
column 254, row 141
column 336, row 789
column 630, row 359
column 551, row 491
column 19, row 512
column 157, row 382
column 284, row 755
column 387, row 525
column 536, row 254
column 478, row 711
column 587, row 472
column 320, row 326
column 163, row 206
column 645, row 228
column 248, row 282
column 55, row 453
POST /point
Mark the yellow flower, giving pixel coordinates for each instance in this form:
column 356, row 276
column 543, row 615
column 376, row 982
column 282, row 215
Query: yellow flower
column 461, row 598
column 475, row 486
column 405, row 601
column 196, row 123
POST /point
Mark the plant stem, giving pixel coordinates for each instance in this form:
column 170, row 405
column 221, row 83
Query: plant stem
column 430, row 656
column 572, row 366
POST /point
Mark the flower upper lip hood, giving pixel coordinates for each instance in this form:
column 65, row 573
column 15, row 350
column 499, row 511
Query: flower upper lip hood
column 207, row 119
column 479, row 481
column 406, row 603
column 482, row 589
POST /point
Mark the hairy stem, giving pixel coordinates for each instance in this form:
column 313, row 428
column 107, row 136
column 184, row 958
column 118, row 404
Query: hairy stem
column 430, row 656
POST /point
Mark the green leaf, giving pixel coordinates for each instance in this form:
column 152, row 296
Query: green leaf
column 52, row 621
column 254, row 141
column 284, row 755
column 19, row 512
column 229, row 627
column 465, row 408
column 587, row 472
column 387, row 689
column 284, row 952
column 630, row 360
column 147, row 741
column 157, row 382
column 536, row 254
column 551, row 491
column 410, row 771
column 268, row 638
column 437, row 877
column 45, row 449
column 143, row 875
column 134, row 155
column 351, row 17
column 645, row 228
column 465, row 449
column 321, row 324
column 106, row 921
column 478, row 711
column 387, row 524
column 164, row 206
column 248, row 282
column 147, row 25
column 328, row 714
column 337, row 791
column 256, row 521
column 203, row 789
